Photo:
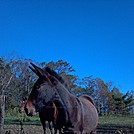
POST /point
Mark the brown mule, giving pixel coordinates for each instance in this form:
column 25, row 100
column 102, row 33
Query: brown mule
column 76, row 115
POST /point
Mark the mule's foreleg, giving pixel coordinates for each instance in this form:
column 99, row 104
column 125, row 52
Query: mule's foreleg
column 50, row 127
column 44, row 128
column 55, row 128
column 43, row 125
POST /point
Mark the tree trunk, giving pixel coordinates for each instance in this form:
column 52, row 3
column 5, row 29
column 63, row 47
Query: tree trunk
column 2, row 112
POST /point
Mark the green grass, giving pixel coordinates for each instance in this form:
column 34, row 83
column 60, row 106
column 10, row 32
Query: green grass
column 116, row 120
column 16, row 121
column 102, row 120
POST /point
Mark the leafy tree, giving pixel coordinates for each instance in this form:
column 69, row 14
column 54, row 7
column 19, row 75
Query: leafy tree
column 128, row 103
column 132, row 94
column 88, row 86
column 5, row 76
column 122, row 103
column 116, row 101
column 61, row 67
column 101, row 96
column 16, row 82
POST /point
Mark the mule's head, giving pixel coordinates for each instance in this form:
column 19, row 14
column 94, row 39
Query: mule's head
column 42, row 93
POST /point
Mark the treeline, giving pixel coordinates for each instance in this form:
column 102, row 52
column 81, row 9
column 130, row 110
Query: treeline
column 16, row 82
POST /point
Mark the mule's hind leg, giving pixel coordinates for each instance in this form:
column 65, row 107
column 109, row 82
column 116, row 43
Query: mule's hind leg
column 93, row 132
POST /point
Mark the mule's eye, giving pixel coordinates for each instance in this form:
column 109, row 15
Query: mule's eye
column 37, row 87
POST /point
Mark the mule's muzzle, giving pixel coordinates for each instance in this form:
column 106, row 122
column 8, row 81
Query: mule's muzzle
column 20, row 111
column 30, row 112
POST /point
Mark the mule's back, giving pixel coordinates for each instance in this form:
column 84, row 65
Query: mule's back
column 88, row 98
column 90, row 115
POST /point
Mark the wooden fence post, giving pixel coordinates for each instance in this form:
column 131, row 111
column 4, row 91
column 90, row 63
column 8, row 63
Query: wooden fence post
column 2, row 112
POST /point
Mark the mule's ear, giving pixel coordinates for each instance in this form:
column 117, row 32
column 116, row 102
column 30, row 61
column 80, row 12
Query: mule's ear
column 37, row 70
column 33, row 70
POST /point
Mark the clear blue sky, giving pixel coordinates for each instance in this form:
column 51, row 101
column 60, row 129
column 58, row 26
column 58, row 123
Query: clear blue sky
column 95, row 36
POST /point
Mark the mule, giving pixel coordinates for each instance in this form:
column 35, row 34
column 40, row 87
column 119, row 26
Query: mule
column 48, row 113
column 76, row 115
column 21, row 108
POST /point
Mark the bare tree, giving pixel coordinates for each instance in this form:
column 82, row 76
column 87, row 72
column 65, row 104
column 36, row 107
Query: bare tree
column 5, row 79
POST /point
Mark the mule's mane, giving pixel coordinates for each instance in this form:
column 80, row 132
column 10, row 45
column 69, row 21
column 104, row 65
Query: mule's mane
column 56, row 75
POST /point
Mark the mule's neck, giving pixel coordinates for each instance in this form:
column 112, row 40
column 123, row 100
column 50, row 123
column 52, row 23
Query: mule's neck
column 65, row 95
column 65, row 99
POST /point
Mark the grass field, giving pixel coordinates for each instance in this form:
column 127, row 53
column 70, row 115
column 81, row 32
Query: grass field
column 33, row 125
column 102, row 120
column 117, row 120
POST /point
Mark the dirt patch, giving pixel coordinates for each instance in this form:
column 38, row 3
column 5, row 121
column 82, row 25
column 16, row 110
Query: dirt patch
column 27, row 129
column 37, row 129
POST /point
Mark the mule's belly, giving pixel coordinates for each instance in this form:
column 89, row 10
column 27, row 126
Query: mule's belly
column 84, row 117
